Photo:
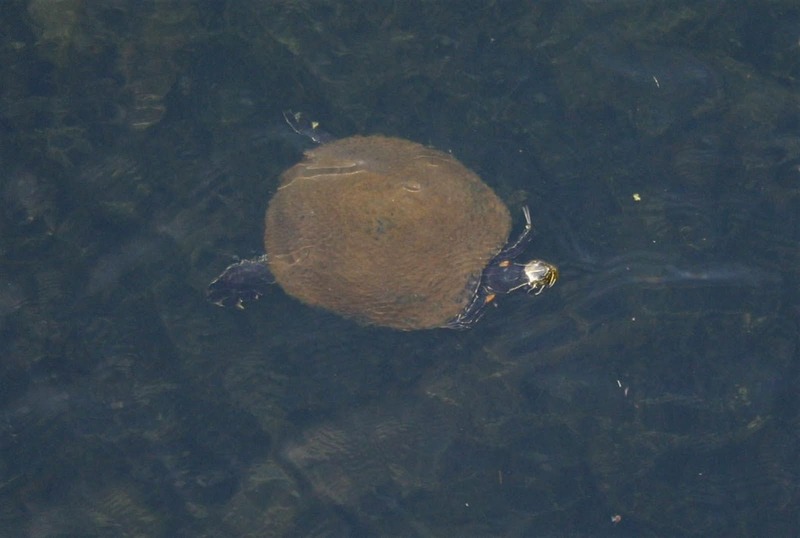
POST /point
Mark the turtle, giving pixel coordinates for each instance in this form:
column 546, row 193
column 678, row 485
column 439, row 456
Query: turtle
column 387, row 232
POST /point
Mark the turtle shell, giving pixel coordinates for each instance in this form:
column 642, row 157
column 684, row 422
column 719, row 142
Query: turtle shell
column 384, row 231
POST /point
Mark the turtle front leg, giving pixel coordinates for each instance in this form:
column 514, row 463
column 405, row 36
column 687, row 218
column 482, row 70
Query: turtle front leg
column 513, row 250
column 474, row 311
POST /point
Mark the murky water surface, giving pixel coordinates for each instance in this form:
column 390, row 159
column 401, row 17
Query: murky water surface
column 652, row 392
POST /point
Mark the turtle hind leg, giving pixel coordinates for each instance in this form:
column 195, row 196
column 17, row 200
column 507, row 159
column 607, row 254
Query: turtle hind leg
column 241, row 283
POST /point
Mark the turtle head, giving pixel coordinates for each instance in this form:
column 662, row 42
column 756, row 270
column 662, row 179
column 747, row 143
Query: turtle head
column 540, row 275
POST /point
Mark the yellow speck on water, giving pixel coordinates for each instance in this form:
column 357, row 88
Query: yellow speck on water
column 637, row 197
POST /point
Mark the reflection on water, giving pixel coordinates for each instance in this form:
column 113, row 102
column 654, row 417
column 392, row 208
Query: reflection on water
column 652, row 270
column 656, row 380
column 646, row 74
